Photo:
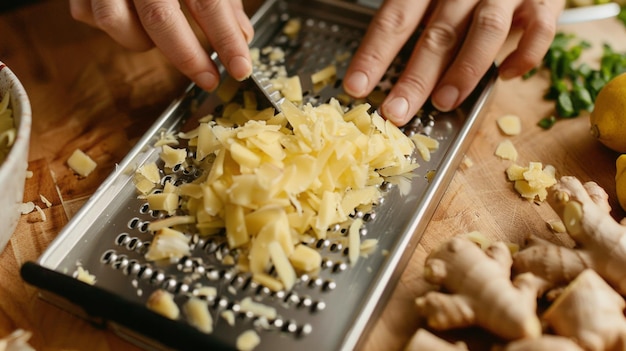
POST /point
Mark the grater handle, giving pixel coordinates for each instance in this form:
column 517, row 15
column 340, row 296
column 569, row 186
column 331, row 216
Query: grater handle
column 99, row 303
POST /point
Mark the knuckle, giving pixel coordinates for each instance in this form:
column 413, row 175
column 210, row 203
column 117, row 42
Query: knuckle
column 106, row 17
column 439, row 37
column 393, row 21
column 545, row 28
column 157, row 16
column 203, row 7
column 469, row 70
column 491, row 20
column 413, row 85
column 371, row 59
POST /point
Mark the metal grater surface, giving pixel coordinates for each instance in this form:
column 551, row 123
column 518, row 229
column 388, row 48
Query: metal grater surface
column 328, row 311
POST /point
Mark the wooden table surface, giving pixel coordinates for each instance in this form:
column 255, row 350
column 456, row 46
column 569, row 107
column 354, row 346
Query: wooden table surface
column 89, row 93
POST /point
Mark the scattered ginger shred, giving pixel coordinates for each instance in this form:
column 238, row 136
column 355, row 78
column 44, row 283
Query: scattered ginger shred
column 81, row 163
column 509, row 124
column 506, row 150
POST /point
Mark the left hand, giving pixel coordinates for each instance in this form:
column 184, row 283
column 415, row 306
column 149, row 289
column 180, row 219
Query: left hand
column 459, row 43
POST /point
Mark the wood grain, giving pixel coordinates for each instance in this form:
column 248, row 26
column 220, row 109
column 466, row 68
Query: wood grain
column 89, row 93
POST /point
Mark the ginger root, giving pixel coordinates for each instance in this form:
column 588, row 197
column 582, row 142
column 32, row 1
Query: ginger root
column 555, row 265
column 590, row 312
column 600, row 240
column 425, row 340
column 545, row 343
column 481, row 291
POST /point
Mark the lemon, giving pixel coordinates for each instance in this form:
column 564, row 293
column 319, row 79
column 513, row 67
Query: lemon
column 608, row 118
column 620, row 180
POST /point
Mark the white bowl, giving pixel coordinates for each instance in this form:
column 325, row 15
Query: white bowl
column 589, row 13
column 13, row 169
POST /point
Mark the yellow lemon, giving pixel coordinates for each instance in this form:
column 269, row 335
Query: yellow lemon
column 608, row 118
column 620, row 180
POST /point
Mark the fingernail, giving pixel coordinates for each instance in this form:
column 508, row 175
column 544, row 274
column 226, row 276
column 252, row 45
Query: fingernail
column 445, row 98
column 206, row 80
column 239, row 67
column 396, row 110
column 508, row 73
column 356, row 84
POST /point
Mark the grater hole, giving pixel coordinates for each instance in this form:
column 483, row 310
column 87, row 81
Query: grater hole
column 170, row 284
column 134, row 244
column 168, row 179
column 306, row 302
column 240, row 281
column 135, row 222
column 185, row 264
column 386, row 186
column 318, row 306
column 329, row 285
column 305, row 330
column 145, row 272
column 210, row 246
column 122, row 239
column 278, row 323
column 221, row 302
column 132, row 268
column 108, row 256
column 144, row 227
column 121, row 262
column 280, row 294
column 340, row 266
column 322, row 243
column 212, row 274
column 292, row 298
column 290, row 327
column 335, row 247
column 143, row 210
column 157, row 277
column 263, row 291
column 316, row 283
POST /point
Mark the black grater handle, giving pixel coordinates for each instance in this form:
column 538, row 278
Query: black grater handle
column 99, row 303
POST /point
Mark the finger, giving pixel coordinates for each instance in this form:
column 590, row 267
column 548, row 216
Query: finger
column 390, row 28
column 244, row 22
column 432, row 54
column 539, row 20
column 168, row 28
column 119, row 20
column 218, row 21
column 81, row 11
column 488, row 30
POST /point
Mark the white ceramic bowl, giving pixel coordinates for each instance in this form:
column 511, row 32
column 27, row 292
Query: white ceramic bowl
column 13, row 169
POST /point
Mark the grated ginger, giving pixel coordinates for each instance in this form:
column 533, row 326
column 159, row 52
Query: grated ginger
column 267, row 183
column 272, row 182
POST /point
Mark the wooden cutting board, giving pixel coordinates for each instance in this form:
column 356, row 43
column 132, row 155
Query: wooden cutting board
column 88, row 93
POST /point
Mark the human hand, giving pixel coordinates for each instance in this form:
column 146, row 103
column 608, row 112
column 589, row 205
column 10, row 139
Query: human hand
column 460, row 41
column 143, row 24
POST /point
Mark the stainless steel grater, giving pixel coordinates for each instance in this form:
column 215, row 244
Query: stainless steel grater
column 330, row 311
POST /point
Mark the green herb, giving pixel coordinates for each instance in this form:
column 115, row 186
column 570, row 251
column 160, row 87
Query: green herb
column 622, row 15
column 547, row 122
column 574, row 86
